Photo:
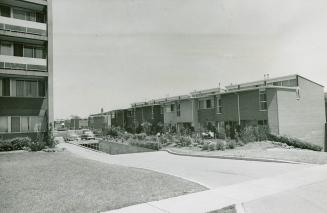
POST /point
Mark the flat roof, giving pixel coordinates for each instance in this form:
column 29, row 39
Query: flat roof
column 269, row 80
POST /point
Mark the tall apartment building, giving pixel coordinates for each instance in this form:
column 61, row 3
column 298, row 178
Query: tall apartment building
column 26, row 67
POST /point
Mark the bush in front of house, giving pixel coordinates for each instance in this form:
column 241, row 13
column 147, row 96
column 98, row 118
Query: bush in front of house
column 254, row 133
column 220, row 145
column 140, row 136
column 294, row 142
column 231, row 144
column 184, row 141
column 18, row 143
column 205, row 146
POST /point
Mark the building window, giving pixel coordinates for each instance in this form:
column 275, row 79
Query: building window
column 15, row 124
column 219, row 105
column 208, row 104
column 29, row 88
column 178, row 109
column 6, row 48
column 28, row 15
column 172, row 107
column 4, row 11
column 21, row 50
column 201, row 105
column 263, row 100
column 40, row 17
column 263, row 122
column 18, row 50
column 25, row 124
column 298, row 96
column 28, row 52
column 161, row 110
column 168, row 109
column 4, row 124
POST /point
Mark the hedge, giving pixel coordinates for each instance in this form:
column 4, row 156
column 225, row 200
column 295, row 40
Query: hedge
column 294, row 142
column 18, row 143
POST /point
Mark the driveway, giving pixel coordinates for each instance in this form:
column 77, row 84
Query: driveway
column 209, row 172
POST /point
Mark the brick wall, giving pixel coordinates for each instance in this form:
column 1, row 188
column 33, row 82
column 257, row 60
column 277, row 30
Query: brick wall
column 304, row 118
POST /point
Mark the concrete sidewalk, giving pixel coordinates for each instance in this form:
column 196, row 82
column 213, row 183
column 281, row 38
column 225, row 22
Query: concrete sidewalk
column 209, row 172
column 246, row 192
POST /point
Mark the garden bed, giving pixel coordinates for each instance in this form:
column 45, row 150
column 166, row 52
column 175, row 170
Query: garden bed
column 262, row 150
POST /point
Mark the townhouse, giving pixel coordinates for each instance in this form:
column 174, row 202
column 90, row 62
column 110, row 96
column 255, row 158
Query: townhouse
column 99, row 121
column 26, row 67
column 289, row 105
column 145, row 112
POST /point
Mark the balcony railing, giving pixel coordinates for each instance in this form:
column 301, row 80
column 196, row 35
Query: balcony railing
column 23, row 63
column 22, row 26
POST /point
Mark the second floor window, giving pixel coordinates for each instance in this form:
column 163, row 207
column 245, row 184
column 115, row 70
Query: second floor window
column 178, row 109
column 263, row 100
column 208, row 103
column 219, row 105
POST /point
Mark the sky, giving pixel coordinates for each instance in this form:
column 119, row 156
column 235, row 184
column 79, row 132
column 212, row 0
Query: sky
column 111, row 53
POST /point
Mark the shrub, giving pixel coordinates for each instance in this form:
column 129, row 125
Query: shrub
column 6, row 146
column 18, row 143
column 231, row 144
column 294, row 142
column 140, row 136
column 220, row 145
column 163, row 140
column 262, row 133
column 113, row 132
column 205, row 146
column 251, row 134
column 36, row 145
column 184, row 141
column 212, row 146
column 248, row 134
column 127, row 136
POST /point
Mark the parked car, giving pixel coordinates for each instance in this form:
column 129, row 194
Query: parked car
column 72, row 136
column 88, row 135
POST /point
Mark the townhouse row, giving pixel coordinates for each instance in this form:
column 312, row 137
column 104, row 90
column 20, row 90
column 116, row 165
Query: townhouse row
column 289, row 105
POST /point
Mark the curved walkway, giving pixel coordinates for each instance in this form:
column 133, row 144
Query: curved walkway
column 209, row 172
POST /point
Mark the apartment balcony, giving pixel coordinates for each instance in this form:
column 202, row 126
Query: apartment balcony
column 19, row 65
column 12, row 27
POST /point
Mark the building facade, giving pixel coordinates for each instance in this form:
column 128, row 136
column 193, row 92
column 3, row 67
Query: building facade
column 289, row 105
column 26, row 67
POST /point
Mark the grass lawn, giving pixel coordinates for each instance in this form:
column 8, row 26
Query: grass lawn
column 62, row 182
column 265, row 149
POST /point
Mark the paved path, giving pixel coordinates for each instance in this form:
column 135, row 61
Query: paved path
column 297, row 191
column 209, row 172
column 255, row 187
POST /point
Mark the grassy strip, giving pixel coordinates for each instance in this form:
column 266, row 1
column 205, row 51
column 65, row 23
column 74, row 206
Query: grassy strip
column 61, row 182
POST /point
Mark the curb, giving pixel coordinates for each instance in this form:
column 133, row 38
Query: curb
column 233, row 157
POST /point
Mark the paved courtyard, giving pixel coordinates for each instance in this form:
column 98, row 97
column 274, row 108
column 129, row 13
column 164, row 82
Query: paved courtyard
column 209, row 172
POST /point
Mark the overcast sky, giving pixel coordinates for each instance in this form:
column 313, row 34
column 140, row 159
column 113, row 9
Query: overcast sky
column 110, row 53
